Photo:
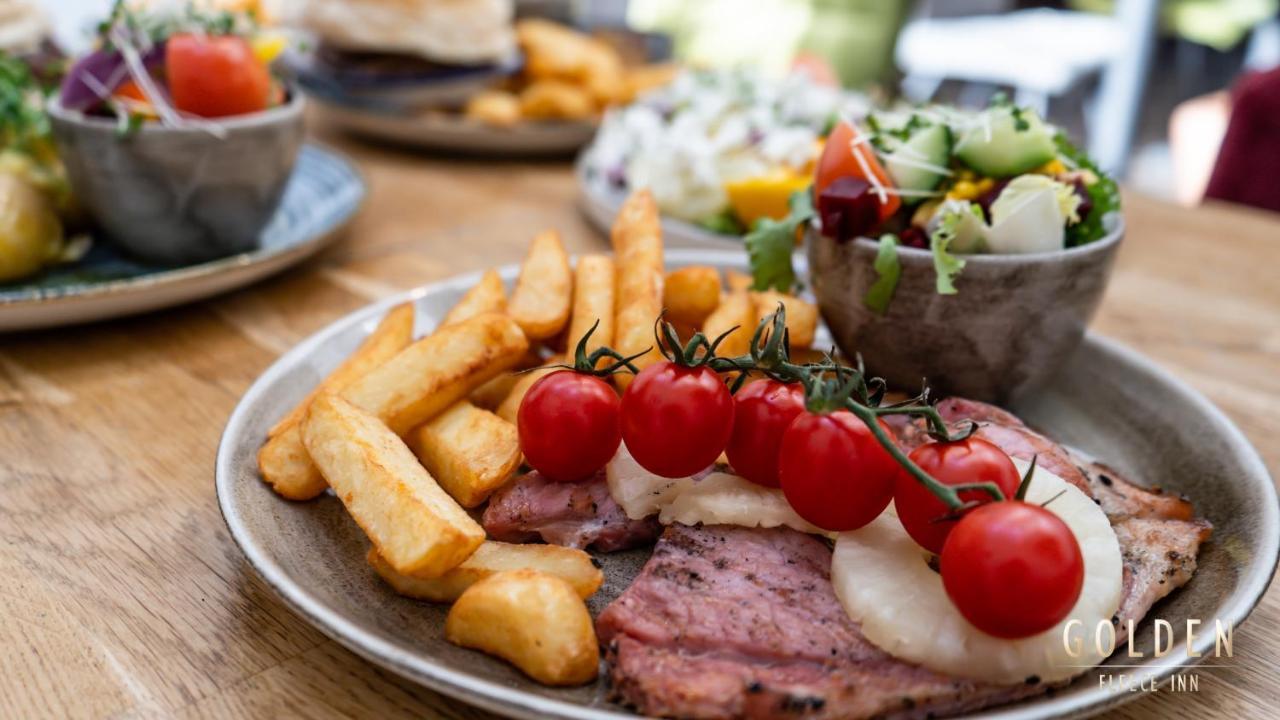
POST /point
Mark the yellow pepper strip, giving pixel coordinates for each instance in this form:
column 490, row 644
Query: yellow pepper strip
column 1053, row 167
column 764, row 196
column 267, row 46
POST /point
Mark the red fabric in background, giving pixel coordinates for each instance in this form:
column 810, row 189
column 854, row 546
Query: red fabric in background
column 1248, row 167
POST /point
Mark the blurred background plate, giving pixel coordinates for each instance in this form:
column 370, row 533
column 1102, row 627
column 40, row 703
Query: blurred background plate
column 600, row 201
column 378, row 89
column 453, row 133
column 1108, row 401
column 323, row 193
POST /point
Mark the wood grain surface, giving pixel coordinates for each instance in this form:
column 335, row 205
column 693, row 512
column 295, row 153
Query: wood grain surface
column 121, row 594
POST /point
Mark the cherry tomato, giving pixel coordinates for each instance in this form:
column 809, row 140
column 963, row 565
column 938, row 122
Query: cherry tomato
column 838, row 160
column 215, row 75
column 762, row 411
column 834, row 472
column 568, row 425
column 1012, row 569
column 950, row 463
column 819, row 70
column 676, row 420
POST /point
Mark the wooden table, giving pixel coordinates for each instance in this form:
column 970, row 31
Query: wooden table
column 121, row 593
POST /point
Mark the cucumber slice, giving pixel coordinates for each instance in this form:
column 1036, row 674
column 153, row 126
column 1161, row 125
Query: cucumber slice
column 994, row 146
column 919, row 163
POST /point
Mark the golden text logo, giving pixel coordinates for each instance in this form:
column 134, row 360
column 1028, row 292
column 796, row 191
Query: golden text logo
column 1104, row 638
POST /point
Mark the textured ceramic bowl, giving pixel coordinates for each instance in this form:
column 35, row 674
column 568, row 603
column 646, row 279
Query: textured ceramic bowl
column 1014, row 321
column 177, row 196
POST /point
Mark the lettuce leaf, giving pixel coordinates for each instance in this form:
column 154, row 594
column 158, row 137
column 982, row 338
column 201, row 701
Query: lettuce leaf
column 1103, row 193
column 888, row 269
column 771, row 243
column 946, row 265
column 725, row 223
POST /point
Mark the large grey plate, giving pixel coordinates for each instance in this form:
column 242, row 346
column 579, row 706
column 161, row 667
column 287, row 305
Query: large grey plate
column 1108, row 401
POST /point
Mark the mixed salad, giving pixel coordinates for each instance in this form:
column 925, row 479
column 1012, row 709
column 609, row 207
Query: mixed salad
column 722, row 149
column 175, row 65
column 1000, row 180
column 36, row 204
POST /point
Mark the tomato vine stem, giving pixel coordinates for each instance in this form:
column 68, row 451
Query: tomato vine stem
column 830, row 386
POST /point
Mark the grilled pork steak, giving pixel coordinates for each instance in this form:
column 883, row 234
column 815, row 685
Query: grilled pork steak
column 1158, row 534
column 732, row 622
column 578, row 515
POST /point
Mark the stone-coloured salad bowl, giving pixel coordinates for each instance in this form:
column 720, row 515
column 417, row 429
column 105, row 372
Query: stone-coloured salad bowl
column 181, row 195
column 1013, row 322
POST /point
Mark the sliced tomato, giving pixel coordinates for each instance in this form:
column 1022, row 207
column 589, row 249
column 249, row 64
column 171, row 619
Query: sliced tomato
column 216, row 75
column 848, row 153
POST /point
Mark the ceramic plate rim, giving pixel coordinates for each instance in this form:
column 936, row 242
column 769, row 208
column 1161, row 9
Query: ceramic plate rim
column 527, row 139
column 515, row 703
column 83, row 291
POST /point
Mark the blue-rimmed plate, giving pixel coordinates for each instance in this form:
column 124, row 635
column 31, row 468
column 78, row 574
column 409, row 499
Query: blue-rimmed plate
column 324, row 192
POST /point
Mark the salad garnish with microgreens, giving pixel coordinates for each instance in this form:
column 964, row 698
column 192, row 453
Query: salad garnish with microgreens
column 956, row 183
column 178, row 66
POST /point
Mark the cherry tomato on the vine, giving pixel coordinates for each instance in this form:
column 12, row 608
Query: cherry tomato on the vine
column 762, row 411
column 834, row 472
column 1012, row 569
column 215, row 75
column 951, row 463
column 676, row 420
column 568, row 425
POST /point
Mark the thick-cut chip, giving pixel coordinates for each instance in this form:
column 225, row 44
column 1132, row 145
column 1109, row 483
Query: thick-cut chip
column 283, row 461
column 735, row 309
column 510, row 407
column 491, row 394
column 739, row 281
column 392, row 334
column 544, row 291
column 469, row 451
column 535, row 621
column 802, row 317
column 412, row 522
column 486, row 296
column 569, row 564
column 556, row 100
column 439, row 370
column 593, row 297
column 691, row 294
column 637, row 247
column 493, row 107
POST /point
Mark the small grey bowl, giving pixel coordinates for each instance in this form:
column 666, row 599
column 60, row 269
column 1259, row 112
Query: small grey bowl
column 177, row 196
column 1013, row 321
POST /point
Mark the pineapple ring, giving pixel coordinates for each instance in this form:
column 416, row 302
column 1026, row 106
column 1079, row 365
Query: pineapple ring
column 717, row 499
column 884, row 583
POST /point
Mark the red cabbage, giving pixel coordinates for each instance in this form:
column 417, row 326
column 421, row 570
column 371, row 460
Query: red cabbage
column 107, row 70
